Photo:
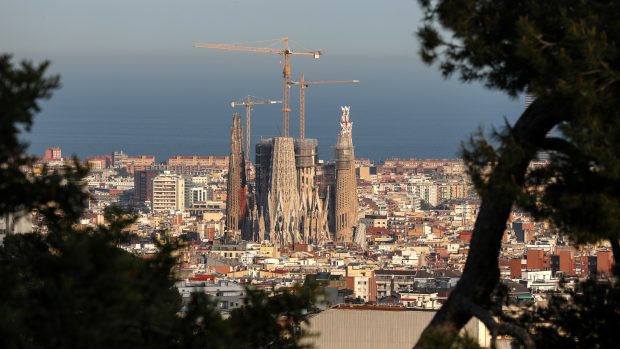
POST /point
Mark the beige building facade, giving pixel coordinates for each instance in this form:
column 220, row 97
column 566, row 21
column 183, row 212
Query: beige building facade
column 372, row 327
column 168, row 193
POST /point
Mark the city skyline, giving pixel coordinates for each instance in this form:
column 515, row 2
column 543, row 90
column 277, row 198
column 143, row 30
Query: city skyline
column 453, row 182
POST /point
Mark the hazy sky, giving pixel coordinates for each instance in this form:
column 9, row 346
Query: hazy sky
column 132, row 81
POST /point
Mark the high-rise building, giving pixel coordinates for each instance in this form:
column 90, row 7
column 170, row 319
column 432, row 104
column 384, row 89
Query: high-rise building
column 236, row 205
column 344, row 217
column 119, row 158
column 198, row 194
column 143, row 185
column 529, row 98
column 53, row 154
column 168, row 193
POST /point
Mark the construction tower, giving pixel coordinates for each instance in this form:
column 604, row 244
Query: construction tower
column 277, row 197
column 344, row 209
column 236, row 204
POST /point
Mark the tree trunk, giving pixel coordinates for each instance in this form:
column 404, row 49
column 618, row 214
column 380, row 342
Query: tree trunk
column 481, row 273
column 615, row 248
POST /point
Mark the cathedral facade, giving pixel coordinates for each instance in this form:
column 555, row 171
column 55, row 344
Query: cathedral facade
column 292, row 203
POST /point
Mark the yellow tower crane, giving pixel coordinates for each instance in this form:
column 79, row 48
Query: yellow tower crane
column 285, row 52
column 248, row 103
column 303, row 84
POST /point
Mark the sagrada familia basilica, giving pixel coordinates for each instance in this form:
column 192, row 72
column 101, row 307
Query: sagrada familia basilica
column 294, row 199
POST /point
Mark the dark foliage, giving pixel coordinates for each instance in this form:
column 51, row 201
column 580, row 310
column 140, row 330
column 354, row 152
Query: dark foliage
column 584, row 316
column 55, row 195
column 587, row 317
column 437, row 339
column 566, row 54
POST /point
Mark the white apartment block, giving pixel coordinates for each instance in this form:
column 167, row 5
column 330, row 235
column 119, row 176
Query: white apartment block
column 168, row 193
column 199, row 194
column 11, row 223
column 436, row 191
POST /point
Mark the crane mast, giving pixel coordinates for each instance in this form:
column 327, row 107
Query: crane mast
column 286, row 106
column 303, row 84
column 248, row 103
column 286, row 72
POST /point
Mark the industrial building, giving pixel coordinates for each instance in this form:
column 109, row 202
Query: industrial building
column 371, row 326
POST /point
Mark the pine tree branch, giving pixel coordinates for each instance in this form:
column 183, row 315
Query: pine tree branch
column 517, row 332
column 544, row 43
column 481, row 272
column 496, row 328
column 559, row 145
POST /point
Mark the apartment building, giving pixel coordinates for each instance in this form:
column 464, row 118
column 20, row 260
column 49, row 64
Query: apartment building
column 168, row 193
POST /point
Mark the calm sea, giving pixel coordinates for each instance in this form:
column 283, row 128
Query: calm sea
column 168, row 107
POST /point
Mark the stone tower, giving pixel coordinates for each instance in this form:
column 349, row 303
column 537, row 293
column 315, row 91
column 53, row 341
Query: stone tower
column 276, row 195
column 236, row 205
column 344, row 217
column 289, row 209
column 313, row 223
